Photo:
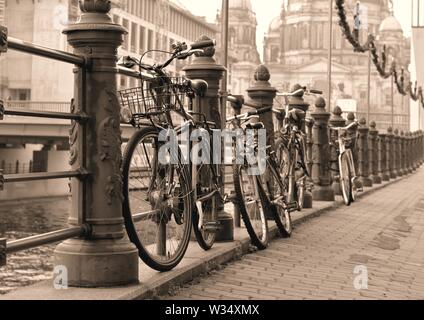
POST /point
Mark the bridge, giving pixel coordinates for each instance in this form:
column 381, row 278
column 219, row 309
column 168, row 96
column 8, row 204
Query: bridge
column 372, row 249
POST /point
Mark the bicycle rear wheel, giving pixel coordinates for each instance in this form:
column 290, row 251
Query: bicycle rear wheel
column 157, row 201
column 278, row 199
column 205, row 222
column 251, row 206
column 346, row 179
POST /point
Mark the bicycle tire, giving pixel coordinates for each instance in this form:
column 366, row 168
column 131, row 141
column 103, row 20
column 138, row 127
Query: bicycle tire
column 205, row 239
column 346, row 179
column 184, row 181
column 281, row 215
column 259, row 241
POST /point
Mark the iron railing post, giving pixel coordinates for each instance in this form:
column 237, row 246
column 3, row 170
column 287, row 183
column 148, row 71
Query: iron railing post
column 398, row 156
column 373, row 153
column 105, row 257
column 402, row 154
column 336, row 121
column 390, row 153
column 363, row 154
column 382, row 157
column 321, row 175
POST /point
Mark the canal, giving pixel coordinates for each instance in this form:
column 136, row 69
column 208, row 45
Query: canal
column 26, row 218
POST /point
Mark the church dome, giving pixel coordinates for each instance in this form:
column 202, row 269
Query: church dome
column 241, row 4
column 390, row 24
column 275, row 24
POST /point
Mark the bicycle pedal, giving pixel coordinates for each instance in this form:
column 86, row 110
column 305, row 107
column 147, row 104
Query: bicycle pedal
column 211, row 227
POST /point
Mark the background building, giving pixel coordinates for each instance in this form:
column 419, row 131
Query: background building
column 296, row 51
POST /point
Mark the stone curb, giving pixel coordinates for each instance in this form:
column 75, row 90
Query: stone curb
column 161, row 283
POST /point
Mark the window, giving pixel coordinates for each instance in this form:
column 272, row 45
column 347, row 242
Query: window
column 20, row 94
column 125, row 24
column 142, row 47
column 133, row 37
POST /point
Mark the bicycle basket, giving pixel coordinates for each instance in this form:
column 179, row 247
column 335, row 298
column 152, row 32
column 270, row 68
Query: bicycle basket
column 163, row 95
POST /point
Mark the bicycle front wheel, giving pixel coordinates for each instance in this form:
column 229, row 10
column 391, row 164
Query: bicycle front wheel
column 277, row 196
column 205, row 222
column 157, row 201
column 251, row 206
column 346, row 179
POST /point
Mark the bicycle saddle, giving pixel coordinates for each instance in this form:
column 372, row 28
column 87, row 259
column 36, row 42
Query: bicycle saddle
column 200, row 87
column 236, row 101
column 297, row 114
column 255, row 126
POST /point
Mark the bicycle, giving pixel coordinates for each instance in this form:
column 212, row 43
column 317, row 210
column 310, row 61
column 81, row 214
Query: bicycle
column 250, row 197
column 165, row 193
column 291, row 149
column 268, row 192
column 347, row 172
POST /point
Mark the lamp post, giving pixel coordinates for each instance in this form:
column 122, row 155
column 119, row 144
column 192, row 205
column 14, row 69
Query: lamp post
column 330, row 53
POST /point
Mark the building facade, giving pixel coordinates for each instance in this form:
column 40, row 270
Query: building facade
column 296, row 51
column 243, row 53
column 151, row 24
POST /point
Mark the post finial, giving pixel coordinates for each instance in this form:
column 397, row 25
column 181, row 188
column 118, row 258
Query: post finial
column 95, row 6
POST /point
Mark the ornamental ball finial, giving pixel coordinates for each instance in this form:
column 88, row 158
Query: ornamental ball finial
column 337, row 111
column 95, row 6
column 390, row 130
column 262, row 73
column 351, row 116
column 320, row 103
column 363, row 122
column 373, row 125
column 207, row 52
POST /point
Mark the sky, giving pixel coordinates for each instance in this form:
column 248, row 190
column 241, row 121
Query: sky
column 266, row 10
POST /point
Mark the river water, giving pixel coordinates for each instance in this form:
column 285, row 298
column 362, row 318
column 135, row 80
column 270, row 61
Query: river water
column 26, row 218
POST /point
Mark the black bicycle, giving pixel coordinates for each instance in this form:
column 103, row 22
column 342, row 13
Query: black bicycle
column 165, row 194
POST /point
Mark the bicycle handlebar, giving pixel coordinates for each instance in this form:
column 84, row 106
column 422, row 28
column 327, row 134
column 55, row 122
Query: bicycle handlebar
column 350, row 126
column 203, row 44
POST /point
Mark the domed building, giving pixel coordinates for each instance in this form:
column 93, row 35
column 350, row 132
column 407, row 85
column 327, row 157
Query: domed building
column 243, row 53
column 296, row 51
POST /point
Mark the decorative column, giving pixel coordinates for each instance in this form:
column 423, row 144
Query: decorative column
column 105, row 257
column 336, row 121
column 262, row 94
column 402, row 153
column 363, row 156
column 390, row 154
column 321, row 175
column 382, row 157
column 373, row 153
column 398, row 156
column 298, row 102
column 415, row 150
column 408, row 152
column 206, row 68
column 308, row 202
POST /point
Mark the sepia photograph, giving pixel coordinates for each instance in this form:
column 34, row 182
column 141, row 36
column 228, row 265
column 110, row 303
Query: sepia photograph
column 213, row 158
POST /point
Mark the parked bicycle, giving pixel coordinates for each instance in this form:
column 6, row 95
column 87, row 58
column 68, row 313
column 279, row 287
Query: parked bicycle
column 261, row 196
column 291, row 149
column 165, row 195
column 347, row 172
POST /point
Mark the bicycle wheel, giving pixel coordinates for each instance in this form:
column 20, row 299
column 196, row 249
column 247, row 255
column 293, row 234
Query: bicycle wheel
column 250, row 205
column 276, row 193
column 300, row 181
column 205, row 222
column 346, row 179
column 157, row 202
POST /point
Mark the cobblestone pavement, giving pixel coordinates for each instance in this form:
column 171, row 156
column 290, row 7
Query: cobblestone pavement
column 383, row 232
